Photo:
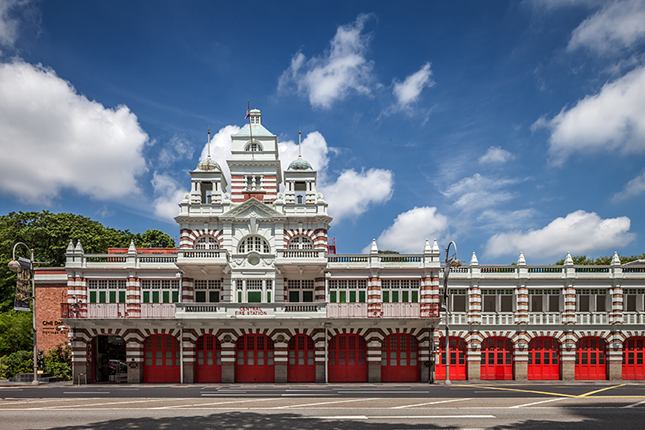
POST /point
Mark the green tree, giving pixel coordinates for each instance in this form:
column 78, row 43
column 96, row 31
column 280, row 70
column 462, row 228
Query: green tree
column 15, row 332
column 582, row 260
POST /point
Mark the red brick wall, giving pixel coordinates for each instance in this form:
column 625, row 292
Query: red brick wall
column 48, row 300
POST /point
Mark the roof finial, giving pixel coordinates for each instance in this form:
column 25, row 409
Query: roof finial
column 209, row 142
column 299, row 143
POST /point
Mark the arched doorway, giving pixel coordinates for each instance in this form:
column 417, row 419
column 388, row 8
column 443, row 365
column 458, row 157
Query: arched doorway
column 347, row 358
column 400, row 358
column 107, row 359
column 633, row 350
column 497, row 358
column 544, row 358
column 457, row 360
column 254, row 359
column 162, row 360
column 590, row 358
column 302, row 364
column 209, row 359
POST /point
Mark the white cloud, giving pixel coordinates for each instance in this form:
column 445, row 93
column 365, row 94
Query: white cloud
column 613, row 119
column 52, row 138
column 333, row 75
column 410, row 230
column 221, row 146
column 618, row 24
column 633, row 188
column 352, row 193
column 579, row 232
column 408, row 91
column 479, row 191
column 168, row 194
column 8, row 23
column 177, row 148
column 507, row 219
column 496, row 154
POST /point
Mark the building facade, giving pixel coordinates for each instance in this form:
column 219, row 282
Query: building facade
column 256, row 293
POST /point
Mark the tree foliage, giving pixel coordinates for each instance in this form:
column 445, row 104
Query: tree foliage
column 583, row 260
column 15, row 332
column 58, row 362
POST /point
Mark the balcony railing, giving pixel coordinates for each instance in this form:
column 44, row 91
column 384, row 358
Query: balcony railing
column 116, row 310
column 347, row 310
column 401, row 310
column 544, row 318
column 347, row 258
column 500, row 319
column 158, row 310
column 633, row 318
column 301, row 253
column 591, row 318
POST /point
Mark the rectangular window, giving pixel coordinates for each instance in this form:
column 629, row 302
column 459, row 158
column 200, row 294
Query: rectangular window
column 489, row 303
column 332, row 297
column 343, row 296
column 268, row 296
column 395, row 297
column 155, row 297
column 121, row 296
column 415, row 297
column 386, row 297
column 352, row 296
column 554, row 303
column 361, row 296
column 146, row 297
column 92, row 296
column 112, row 296
column 102, row 298
column 536, row 303
column 239, row 297
column 294, row 296
column 506, row 303
column 166, row 296
column 213, row 296
column 631, row 303
column 583, row 303
column 308, row 296
column 175, row 296
column 200, row 296
column 601, row 303
column 254, row 296
column 459, row 303
column 405, row 296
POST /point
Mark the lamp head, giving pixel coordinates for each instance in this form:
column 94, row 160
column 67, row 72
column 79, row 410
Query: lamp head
column 14, row 265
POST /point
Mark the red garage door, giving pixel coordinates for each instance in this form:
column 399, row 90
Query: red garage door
column 162, row 363
column 254, row 361
column 400, row 358
column 209, row 359
column 497, row 359
column 590, row 358
column 544, row 358
column 633, row 350
column 302, row 366
column 347, row 358
column 457, row 360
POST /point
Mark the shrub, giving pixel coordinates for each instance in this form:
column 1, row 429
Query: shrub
column 58, row 362
column 18, row 362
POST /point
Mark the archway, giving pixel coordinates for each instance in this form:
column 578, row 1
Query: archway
column 544, row 358
column 254, row 359
column 209, row 359
column 590, row 358
column 400, row 358
column 107, row 359
column 633, row 350
column 162, row 361
column 347, row 358
column 302, row 364
column 457, row 360
column 497, row 358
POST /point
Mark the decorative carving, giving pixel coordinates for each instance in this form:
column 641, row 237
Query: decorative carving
column 227, row 196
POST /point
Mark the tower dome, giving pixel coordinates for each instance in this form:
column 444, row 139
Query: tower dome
column 300, row 164
column 208, row 165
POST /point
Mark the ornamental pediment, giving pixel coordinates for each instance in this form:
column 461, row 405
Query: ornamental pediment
column 252, row 208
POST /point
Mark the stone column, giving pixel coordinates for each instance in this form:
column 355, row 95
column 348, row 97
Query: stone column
column 188, row 360
column 520, row 358
column 374, row 300
column 615, row 359
column 228, row 361
column 135, row 359
column 80, row 365
column 568, row 358
column 281, row 352
column 473, row 359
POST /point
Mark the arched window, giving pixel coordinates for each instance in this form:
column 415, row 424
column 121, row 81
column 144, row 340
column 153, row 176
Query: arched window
column 254, row 243
column 253, row 147
column 301, row 242
column 206, row 242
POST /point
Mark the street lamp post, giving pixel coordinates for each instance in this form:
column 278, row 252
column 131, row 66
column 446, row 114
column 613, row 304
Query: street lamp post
column 451, row 261
column 15, row 266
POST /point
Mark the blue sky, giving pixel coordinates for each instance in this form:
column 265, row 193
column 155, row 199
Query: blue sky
column 504, row 126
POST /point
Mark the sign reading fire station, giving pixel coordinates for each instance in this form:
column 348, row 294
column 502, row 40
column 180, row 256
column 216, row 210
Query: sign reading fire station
column 250, row 311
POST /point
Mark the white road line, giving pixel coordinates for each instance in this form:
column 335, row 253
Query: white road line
column 633, row 405
column 98, row 404
column 321, row 403
column 376, row 392
column 86, row 392
column 340, row 417
column 428, row 403
column 212, row 404
column 307, row 394
column 5, row 402
column 537, row 403
column 410, row 417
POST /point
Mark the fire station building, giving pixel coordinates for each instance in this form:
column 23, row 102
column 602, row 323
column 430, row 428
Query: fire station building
column 257, row 293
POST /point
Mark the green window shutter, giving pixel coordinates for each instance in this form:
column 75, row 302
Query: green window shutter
column 268, row 296
column 146, row 297
column 308, row 296
column 200, row 296
column 415, row 297
column 155, row 297
column 175, row 296
column 255, row 296
column 386, row 297
column 343, row 296
column 395, row 297
column 166, row 296
column 239, row 297
column 121, row 296
column 294, row 296
column 332, row 297
column 361, row 296
column 213, row 296
column 92, row 296
column 112, row 296
column 102, row 298
column 352, row 296
column 405, row 298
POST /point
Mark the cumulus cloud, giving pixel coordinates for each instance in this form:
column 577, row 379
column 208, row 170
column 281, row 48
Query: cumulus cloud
column 221, row 145
column 633, row 188
column 479, row 191
column 168, row 194
column 53, row 138
column 177, row 148
column 496, row 155
column 579, row 232
column 410, row 229
column 617, row 24
column 613, row 119
column 8, row 22
column 340, row 70
column 408, row 91
column 353, row 192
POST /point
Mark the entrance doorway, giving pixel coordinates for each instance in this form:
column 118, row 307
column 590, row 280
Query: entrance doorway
column 209, row 359
column 347, row 358
column 108, row 359
column 497, row 358
column 399, row 358
column 544, row 358
column 633, row 364
column 590, row 358
column 457, row 360
column 302, row 365
column 162, row 359
column 254, row 359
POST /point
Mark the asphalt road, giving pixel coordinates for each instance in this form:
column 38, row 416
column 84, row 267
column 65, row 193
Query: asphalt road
column 366, row 406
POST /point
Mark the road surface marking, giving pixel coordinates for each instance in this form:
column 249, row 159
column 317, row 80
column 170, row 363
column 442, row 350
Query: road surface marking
column 211, row 404
column 410, row 417
column 322, row 403
column 633, row 405
column 428, row 403
column 598, row 391
column 97, row 404
column 520, row 391
column 86, row 392
column 536, row 403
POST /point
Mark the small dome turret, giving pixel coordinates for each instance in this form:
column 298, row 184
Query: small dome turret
column 300, row 164
column 208, row 165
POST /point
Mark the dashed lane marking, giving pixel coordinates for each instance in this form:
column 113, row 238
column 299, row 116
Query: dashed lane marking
column 211, row 404
column 429, row 403
column 98, row 404
column 633, row 405
column 321, row 403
